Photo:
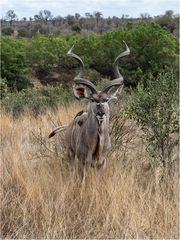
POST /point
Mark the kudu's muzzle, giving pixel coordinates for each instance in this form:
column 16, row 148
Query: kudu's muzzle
column 100, row 115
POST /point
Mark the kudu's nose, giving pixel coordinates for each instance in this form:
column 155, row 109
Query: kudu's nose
column 101, row 114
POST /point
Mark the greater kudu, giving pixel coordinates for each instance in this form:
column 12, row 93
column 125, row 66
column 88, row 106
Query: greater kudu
column 87, row 136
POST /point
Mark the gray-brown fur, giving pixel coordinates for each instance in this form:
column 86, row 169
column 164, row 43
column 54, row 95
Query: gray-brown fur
column 87, row 136
column 89, row 141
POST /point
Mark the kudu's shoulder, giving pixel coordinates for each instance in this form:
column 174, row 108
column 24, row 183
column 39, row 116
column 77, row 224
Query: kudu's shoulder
column 80, row 118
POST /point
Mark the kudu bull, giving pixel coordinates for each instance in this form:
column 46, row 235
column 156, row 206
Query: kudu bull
column 87, row 136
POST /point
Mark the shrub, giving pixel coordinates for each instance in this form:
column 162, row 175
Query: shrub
column 7, row 31
column 33, row 101
column 22, row 32
column 93, row 75
column 155, row 109
column 47, row 52
column 3, row 88
column 152, row 48
column 14, row 66
column 76, row 28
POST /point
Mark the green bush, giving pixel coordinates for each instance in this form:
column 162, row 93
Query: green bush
column 35, row 101
column 152, row 49
column 76, row 28
column 93, row 76
column 22, row 32
column 155, row 109
column 47, row 52
column 14, row 66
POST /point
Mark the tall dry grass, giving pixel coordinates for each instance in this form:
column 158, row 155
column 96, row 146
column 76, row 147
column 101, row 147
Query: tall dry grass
column 43, row 198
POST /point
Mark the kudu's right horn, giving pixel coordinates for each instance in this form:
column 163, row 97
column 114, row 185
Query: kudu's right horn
column 79, row 78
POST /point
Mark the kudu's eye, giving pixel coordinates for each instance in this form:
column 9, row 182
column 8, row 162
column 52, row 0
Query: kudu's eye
column 92, row 100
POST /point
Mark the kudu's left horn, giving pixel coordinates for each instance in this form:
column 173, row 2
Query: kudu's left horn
column 118, row 81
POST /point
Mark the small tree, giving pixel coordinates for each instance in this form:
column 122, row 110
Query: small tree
column 37, row 17
column 70, row 19
column 77, row 16
column 88, row 15
column 11, row 16
column 145, row 15
column 44, row 15
column 98, row 16
column 47, row 15
column 155, row 109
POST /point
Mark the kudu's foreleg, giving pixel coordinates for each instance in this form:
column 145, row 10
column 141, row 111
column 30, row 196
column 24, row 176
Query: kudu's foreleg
column 84, row 164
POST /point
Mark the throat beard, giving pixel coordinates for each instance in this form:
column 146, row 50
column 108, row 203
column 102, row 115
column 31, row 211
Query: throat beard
column 101, row 141
column 101, row 120
column 100, row 126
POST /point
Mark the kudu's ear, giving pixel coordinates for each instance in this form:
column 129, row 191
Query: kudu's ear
column 114, row 92
column 81, row 91
column 114, row 89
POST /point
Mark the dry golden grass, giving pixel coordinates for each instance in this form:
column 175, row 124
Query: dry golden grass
column 43, row 198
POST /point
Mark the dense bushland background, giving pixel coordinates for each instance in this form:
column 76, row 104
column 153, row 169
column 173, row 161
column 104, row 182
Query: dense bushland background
column 138, row 194
column 44, row 22
column 43, row 58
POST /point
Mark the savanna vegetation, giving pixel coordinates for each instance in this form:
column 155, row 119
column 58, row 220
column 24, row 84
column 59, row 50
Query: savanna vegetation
column 46, row 23
column 43, row 199
column 137, row 196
